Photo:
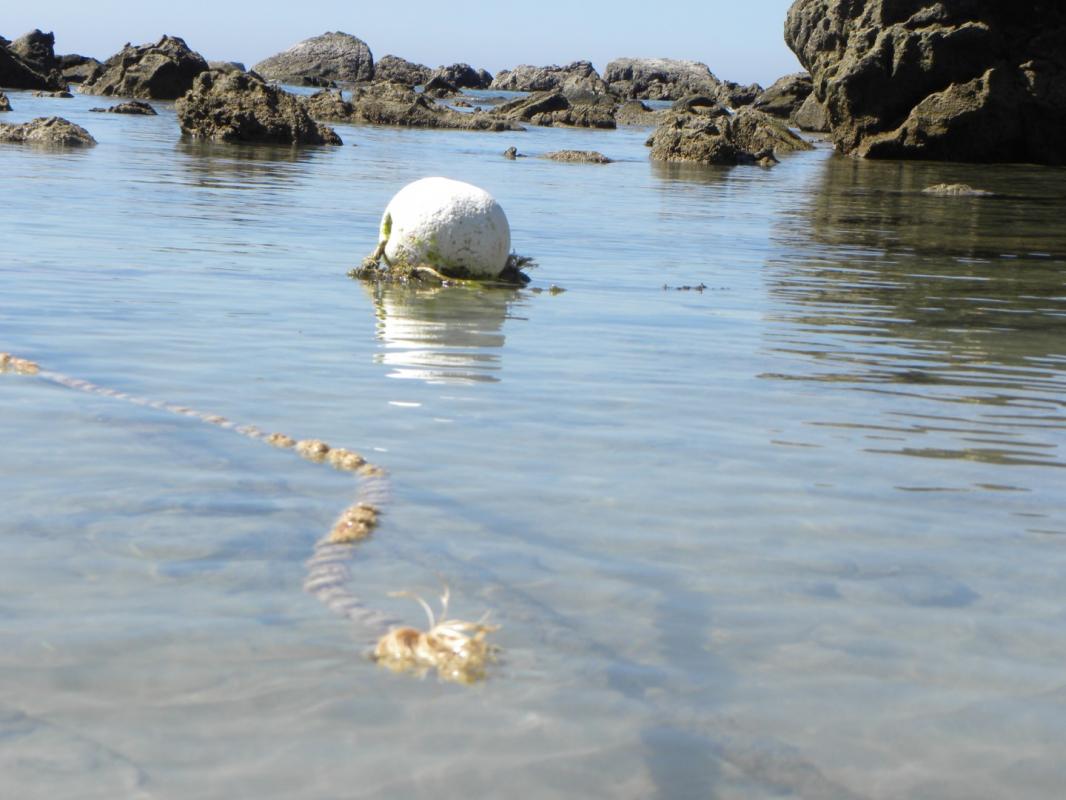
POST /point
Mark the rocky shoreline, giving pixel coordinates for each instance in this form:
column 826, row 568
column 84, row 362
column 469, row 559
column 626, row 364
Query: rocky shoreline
column 884, row 81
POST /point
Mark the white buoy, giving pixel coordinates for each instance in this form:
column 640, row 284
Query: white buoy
column 452, row 226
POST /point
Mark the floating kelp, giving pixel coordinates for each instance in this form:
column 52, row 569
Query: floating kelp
column 376, row 268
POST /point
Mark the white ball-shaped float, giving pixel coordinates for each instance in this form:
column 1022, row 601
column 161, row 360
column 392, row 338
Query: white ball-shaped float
column 454, row 227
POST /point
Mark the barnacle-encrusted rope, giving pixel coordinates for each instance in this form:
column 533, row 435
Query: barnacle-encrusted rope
column 456, row 649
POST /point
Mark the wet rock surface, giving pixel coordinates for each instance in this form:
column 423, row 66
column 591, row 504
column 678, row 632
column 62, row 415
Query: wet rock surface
column 5, row 104
column 388, row 103
column 978, row 80
column 53, row 131
column 578, row 157
column 132, row 107
column 164, row 70
column 584, row 110
column 709, row 135
column 241, row 107
column 659, row 78
column 335, row 56
column 576, row 76
column 400, row 70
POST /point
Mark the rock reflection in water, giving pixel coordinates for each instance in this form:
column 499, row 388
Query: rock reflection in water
column 441, row 334
column 954, row 303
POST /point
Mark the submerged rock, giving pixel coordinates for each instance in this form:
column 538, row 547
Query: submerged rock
column 132, row 107
column 47, row 131
column 980, row 80
column 395, row 104
column 955, row 190
column 454, row 227
column 578, row 157
column 333, row 56
column 241, row 107
column 659, row 78
column 399, row 70
column 62, row 93
column 164, row 70
column 556, row 108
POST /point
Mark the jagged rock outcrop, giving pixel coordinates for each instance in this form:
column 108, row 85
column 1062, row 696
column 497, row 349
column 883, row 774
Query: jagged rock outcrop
column 132, row 107
column 50, row 131
column 464, row 76
column 707, row 134
column 242, row 107
column 164, row 70
column 785, row 95
column 5, row 104
column 333, row 56
column 734, row 95
column 556, row 108
column 575, row 76
column 400, row 70
column 77, row 69
column 387, row 103
column 437, row 86
column 659, row 78
column 979, row 80
column 15, row 73
column 37, row 49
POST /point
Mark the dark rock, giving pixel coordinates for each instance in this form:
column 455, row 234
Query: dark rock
column 578, row 157
column 511, row 153
column 5, row 104
column 556, row 108
column 54, row 131
column 659, row 78
column 226, row 66
column 61, row 93
column 161, row 71
column 460, row 103
column 464, row 76
column 399, row 70
column 242, row 107
column 699, row 104
column 388, row 103
column 785, row 95
column 314, row 80
column 17, row 74
column 713, row 137
column 437, row 86
column 811, row 116
column 734, row 95
column 636, row 112
column 979, row 80
column 77, row 69
column 132, row 107
column 578, row 75
column 37, row 49
column 332, row 57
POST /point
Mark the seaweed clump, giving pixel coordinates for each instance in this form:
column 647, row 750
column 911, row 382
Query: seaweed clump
column 379, row 269
column 455, row 648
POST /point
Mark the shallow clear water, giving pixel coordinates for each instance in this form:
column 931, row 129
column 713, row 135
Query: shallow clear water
column 801, row 533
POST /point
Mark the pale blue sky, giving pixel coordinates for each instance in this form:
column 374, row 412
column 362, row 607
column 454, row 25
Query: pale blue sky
column 739, row 41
